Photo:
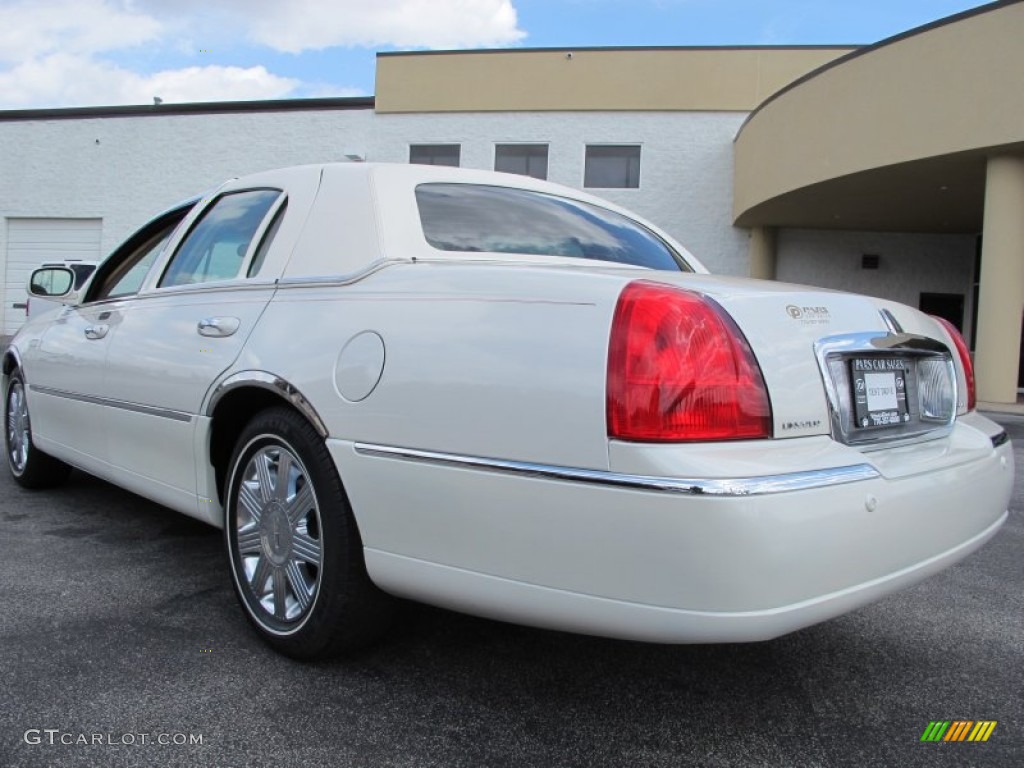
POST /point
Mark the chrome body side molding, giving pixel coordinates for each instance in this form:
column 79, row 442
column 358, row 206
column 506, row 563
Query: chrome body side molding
column 275, row 384
column 149, row 410
column 738, row 486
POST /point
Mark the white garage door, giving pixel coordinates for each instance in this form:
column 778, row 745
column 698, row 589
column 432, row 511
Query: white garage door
column 33, row 241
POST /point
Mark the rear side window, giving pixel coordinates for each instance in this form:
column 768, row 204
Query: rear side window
column 268, row 240
column 218, row 242
column 473, row 217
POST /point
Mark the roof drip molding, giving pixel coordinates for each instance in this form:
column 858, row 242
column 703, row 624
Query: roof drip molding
column 190, row 108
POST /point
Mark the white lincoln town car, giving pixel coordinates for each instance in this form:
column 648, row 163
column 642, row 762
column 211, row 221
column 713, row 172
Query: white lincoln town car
column 504, row 397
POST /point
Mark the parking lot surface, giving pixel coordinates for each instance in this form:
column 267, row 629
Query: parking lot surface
column 121, row 644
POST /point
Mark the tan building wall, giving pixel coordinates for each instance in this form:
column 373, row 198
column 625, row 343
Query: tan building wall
column 952, row 88
column 923, row 132
column 623, row 79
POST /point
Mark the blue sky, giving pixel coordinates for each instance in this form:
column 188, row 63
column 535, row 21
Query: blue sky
column 58, row 53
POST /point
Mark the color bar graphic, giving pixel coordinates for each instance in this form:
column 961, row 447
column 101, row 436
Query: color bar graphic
column 959, row 730
column 935, row 731
column 982, row 730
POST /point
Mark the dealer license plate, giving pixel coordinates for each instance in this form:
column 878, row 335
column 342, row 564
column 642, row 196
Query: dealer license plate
column 880, row 391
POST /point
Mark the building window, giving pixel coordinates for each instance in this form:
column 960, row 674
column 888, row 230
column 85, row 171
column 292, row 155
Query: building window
column 524, row 159
column 435, row 154
column 612, row 166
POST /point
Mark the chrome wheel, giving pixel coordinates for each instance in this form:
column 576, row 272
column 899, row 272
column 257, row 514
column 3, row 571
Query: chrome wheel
column 31, row 467
column 18, row 440
column 278, row 538
column 294, row 548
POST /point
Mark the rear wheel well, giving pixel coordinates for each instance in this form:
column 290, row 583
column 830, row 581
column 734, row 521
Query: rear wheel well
column 236, row 409
column 10, row 363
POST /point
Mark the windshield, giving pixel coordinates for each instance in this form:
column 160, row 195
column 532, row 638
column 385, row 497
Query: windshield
column 473, row 217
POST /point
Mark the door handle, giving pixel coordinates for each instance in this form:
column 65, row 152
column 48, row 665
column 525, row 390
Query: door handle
column 218, row 326
column 96, row 331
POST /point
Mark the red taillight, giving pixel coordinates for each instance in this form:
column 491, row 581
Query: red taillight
column 679, row 369
column 965, row 357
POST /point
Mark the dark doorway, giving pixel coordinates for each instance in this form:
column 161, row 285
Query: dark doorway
column 1020, row 369
column 948, row 306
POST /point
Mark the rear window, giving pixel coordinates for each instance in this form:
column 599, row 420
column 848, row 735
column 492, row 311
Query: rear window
column 473, row 217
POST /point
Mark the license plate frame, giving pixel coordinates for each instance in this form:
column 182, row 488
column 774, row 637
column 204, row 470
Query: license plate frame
column 879, row 392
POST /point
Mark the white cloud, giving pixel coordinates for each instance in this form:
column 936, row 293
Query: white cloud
column 313, row 24
column 216, row 83
column 302, row 25
column 329, row 90
column 75, row 52
column 31, row 29
column 70, row 80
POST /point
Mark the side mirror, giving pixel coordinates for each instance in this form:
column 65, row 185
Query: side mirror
column 51, row 282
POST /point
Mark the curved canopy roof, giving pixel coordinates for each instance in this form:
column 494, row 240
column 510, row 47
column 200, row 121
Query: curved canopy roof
column 894, row 136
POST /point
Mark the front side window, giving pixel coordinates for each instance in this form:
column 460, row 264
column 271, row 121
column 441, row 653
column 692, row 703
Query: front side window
column 218, row 242
column 474, row 217
column 122, row 274
column 611, row 166
column 128, row 281
column 435, row 154
column 524, row 159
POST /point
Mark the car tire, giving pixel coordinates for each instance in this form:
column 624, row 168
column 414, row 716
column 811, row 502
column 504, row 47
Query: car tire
column 295, row 553
column 30, row 467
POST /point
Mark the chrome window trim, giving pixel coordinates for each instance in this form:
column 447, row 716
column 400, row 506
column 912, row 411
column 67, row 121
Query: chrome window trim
column 124, row 405
column 232, row 285
column 876, row 342
column 211, row 286
column 718, row 487
column 274, row 383
column 306, row 281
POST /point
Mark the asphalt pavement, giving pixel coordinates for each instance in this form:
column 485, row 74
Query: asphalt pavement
column 121, row 644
